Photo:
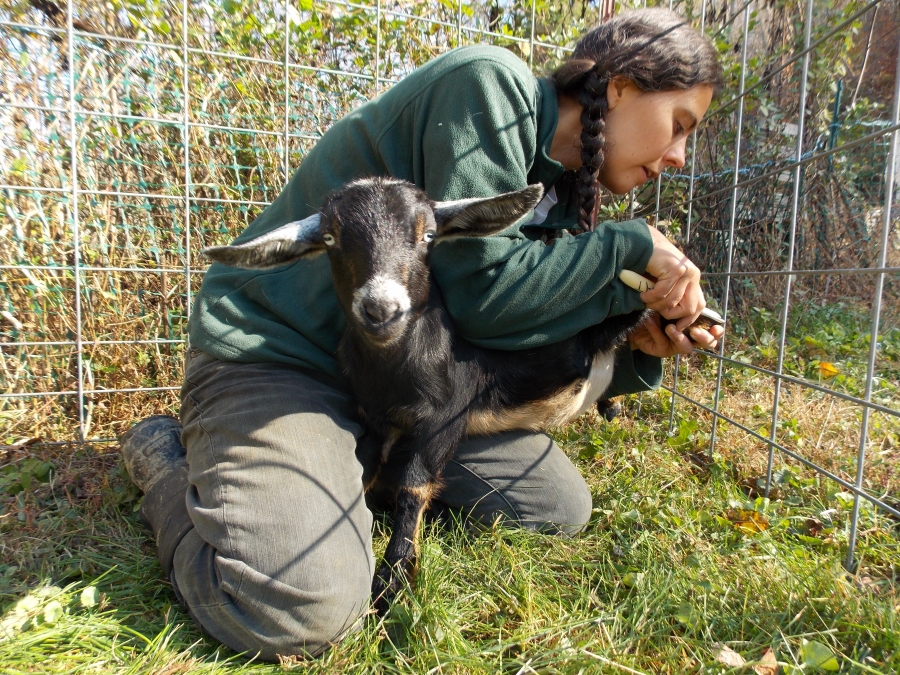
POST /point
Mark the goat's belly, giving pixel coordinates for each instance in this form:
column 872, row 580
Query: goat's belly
column 562, row 408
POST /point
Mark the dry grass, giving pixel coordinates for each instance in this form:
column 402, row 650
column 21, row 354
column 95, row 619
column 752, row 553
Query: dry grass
column 660, row 576
column 660, row 538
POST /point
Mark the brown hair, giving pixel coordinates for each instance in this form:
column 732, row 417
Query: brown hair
column 654, row 48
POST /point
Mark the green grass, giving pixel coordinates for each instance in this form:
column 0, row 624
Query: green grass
column 682, row 553
column 662, row 574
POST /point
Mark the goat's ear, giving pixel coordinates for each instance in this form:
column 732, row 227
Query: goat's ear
column 283, row 245
column 481, row 217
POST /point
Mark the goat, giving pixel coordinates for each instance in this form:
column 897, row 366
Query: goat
column 421, row 388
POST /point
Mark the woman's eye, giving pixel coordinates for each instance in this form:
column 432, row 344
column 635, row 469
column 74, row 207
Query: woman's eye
column 429, row 237
column 328, row 239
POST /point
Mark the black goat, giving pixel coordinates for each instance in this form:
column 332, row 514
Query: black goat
column 421, row 388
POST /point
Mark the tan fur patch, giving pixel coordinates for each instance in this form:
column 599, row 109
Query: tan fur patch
column 554, row 411
column 560, row 409
column 389, row 444
column 420, row 226
column 423, row 492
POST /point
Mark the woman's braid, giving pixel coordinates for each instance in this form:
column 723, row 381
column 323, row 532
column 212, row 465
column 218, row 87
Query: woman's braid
column 592, row 98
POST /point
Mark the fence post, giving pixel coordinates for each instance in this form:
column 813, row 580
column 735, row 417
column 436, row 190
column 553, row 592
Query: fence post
column 76, row 225
column 850, row 562
column 187, row 168
column 835, row 114
column 287, row 90
column 739, row 125
column 676, row 367
column 788, row 282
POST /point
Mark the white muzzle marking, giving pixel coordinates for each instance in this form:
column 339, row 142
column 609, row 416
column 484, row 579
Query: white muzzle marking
column 380, row 289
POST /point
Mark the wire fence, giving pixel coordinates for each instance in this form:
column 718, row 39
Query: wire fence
column 136, row 133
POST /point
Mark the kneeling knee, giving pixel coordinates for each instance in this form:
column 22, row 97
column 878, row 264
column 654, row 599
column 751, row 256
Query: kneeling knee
column 572, row 511
column 260, row 613
column 304, row 630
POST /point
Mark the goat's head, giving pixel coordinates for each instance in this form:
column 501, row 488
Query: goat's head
column 378, row 233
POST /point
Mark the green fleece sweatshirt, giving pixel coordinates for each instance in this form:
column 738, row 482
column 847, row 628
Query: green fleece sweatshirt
column 472, row 122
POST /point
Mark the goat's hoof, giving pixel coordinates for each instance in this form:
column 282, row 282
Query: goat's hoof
column 609, row 409
column 385, row 587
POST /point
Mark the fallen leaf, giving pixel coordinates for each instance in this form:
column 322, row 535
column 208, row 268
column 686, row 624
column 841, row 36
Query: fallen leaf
column 727, row 656
column 19, row 445
column 818, row 656
column 747, row 520
column 768, row 664
column 814, row 527
column 827, row 369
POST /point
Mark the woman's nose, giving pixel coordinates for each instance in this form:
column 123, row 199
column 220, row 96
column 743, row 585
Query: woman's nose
column 675, row 155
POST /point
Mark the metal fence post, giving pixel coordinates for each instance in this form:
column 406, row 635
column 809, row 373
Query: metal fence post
column 788, row 282
column 850, row 563
column 739, row 125
column 76, row 226
column 187, row 164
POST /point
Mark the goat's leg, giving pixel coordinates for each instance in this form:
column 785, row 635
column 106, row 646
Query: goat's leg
column 417, row 484
column 609, row 408
column 401, row 554
column 370, row 453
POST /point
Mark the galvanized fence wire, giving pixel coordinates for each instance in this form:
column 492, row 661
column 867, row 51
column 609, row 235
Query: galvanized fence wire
column 878, row 271
column 174, row 194
column 179, row 54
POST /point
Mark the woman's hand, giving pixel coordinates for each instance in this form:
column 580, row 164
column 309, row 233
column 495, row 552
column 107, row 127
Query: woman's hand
column 677, row 293
column 651, row 339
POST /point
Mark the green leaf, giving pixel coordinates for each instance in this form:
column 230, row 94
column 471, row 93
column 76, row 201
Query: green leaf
column 632, row 579
column 686, row 615
column 53, row 611
column 588, row 452
column 41, row 471
column 90, row 596
column 818, row 656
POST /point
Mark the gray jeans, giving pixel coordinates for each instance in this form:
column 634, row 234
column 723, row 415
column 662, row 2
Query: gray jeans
column 274, row 553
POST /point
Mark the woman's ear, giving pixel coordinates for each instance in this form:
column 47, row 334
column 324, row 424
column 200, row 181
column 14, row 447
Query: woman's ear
column 618, row 88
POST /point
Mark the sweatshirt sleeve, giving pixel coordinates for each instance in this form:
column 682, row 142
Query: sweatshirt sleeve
column 479, row 138
column 634, row 371
column 508, row 292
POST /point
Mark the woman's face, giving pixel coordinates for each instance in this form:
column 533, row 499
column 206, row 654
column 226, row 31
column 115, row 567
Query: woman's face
column 646, row 132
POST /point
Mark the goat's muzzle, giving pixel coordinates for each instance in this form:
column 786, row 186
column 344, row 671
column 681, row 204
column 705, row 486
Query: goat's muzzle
column 384, row 334
column 381, row 310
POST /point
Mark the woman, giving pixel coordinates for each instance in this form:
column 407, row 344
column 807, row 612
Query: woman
column 263, row 527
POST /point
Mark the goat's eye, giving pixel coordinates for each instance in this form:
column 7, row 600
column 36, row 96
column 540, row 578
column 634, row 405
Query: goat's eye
column 328, row 239
column 429, row 237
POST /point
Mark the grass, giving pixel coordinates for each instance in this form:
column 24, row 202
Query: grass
column 682, row 551
column 681, row 555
